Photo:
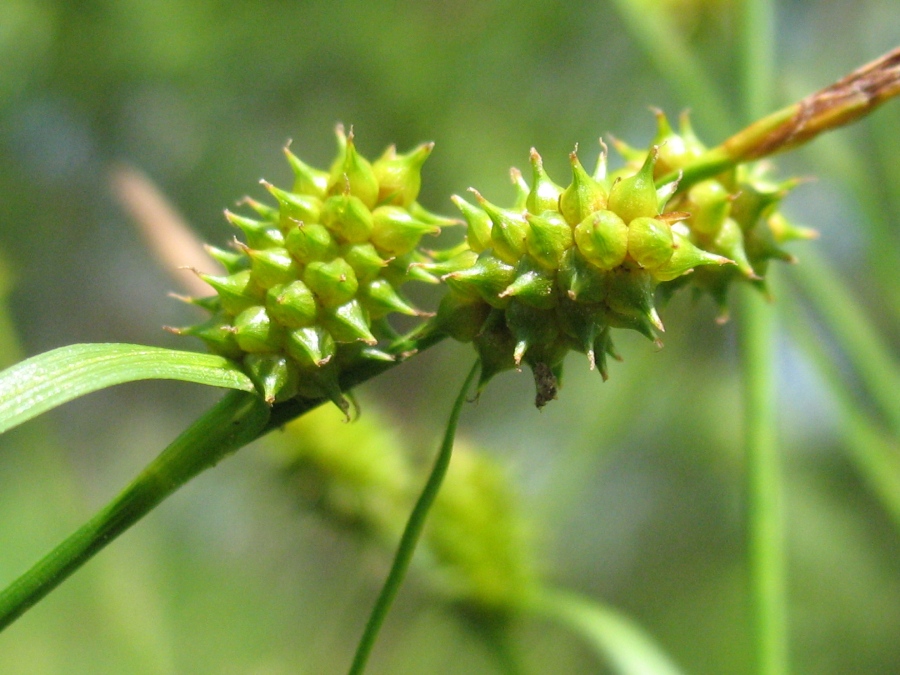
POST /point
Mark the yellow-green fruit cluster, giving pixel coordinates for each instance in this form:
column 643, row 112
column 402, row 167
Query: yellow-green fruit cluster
column 307, row 292
column 733, row 215
column 562, row 266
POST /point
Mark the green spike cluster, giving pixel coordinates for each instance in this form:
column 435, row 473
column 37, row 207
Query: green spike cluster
column 563, row 266
column 305, row 295
column 734, row 215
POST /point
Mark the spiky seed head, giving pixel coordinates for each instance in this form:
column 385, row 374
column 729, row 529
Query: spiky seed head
column 544, row 194
column 399, row 176
column 298, row 302
column 561, row 267
column 396, row 232
column 547, row 238
column 709, row 204
column 478, row 233
column 352, row 174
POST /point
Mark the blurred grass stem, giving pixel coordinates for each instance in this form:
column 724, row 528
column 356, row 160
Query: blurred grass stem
column 874, row 452
column 764, row 487
column 872, row 359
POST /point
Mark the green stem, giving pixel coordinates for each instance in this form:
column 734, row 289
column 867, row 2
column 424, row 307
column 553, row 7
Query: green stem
column 233, row 422
column 765, row 509
column 765, row 546
column 411, row 534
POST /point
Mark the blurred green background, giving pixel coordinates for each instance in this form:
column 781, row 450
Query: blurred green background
column 634, row 486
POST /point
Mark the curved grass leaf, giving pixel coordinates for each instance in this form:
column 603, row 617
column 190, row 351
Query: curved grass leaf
column 48, row 380
column 617, row 639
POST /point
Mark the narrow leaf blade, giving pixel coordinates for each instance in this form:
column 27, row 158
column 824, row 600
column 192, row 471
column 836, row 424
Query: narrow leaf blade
column 48, row 380
column 616, row 638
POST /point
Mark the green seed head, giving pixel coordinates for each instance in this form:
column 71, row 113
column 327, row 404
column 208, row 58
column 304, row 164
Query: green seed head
column 255, row 331
column 709, row 204
column 348, row 218
column 299, row 300
column 507, row 232
column 307, row 180
column 544, row 194
column 396, row 232
column 292, row 305
column 561, row 268
column 399, row 176
column 353, row 174
column 478, row 233
column 675, row 150
column 547, row 238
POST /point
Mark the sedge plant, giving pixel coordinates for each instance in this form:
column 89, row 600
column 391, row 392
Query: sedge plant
column 303, row 314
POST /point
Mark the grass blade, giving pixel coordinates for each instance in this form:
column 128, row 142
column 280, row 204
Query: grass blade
column 48, row 380
column 615, row 637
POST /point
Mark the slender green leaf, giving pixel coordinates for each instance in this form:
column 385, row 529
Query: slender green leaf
column 873, row 359
column 48, row 380
column 873, row 450
column 617, row 639
column 766, row 557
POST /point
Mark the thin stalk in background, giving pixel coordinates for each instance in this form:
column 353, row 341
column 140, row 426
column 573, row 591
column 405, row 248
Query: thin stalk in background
column 874, row 453
column 764, row 490
column 411, row 533
column 764, row 487
column 670, row 54
column 232, row 423
column 855, row 333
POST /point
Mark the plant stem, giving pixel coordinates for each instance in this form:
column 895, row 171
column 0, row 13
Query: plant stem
column 765, row 509
column 765, row 545
column 411, row 533
column 233, row 422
